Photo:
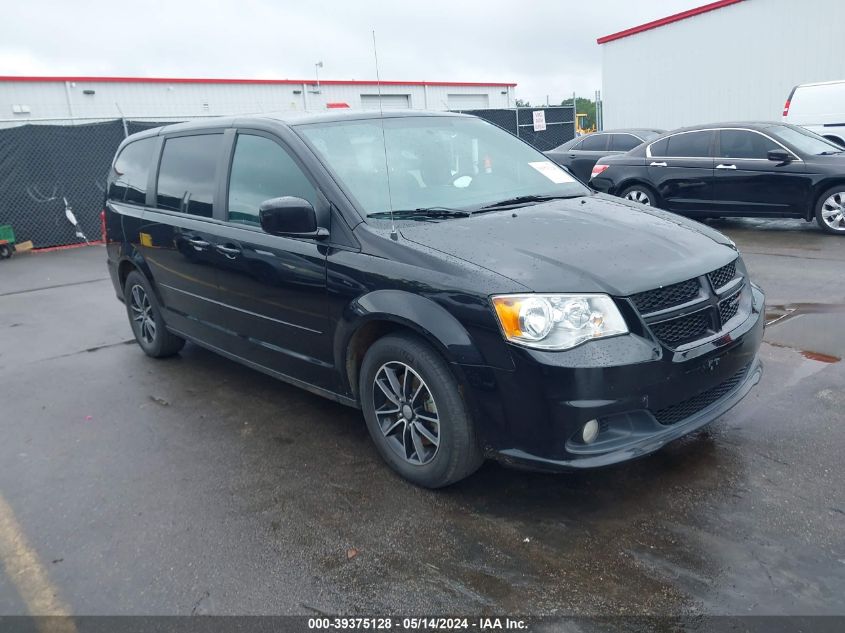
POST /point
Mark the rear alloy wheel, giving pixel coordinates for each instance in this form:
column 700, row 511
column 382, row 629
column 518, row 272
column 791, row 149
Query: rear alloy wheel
column 830, row 210
column 639, row 193
column 146, row 319
column 415, row 413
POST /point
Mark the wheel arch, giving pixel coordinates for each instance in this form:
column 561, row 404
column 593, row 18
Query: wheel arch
column 383, row 312
column 128, row 264
column 821, row 189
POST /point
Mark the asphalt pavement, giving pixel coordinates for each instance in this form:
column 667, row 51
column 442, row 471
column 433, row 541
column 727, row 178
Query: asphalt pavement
column 196, row 486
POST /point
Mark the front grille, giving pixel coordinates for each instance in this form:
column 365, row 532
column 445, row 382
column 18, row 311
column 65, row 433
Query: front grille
column 683, row 329
column 729, row 307
column 666, row 297
column 723, row 275
column 671, row 326
column 677, row 412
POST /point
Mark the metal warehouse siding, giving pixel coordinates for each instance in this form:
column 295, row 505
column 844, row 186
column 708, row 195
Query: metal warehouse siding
column 734, row 63
column 161, row 100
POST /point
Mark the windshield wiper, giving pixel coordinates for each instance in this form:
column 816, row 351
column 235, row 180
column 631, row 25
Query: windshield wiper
column 830, row 152
column 519, row 200
column 422, row 212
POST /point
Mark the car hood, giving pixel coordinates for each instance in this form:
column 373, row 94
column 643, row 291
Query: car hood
column 589, row 244
column 837, row 160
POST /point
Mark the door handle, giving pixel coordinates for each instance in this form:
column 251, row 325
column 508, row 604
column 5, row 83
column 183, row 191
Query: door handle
column 725, row 166
column 229, row 251
column 572, row 156
column 657, row 165
column 197, row 243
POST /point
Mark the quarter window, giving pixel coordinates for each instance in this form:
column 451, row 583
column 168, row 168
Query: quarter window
column 623, row 142
column 261, row 170
column 658, row 148
column 744, row 144
column 689, row 144
column 187, row 177
column 130, row 172
column 594, row 143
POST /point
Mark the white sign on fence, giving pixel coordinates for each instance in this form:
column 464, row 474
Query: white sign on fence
column 539, row 120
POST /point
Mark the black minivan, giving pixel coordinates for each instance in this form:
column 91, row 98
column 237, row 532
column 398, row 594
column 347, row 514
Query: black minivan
column 469, row 295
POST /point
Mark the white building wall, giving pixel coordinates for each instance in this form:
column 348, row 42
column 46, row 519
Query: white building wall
column 735, row 63
column 66, row 100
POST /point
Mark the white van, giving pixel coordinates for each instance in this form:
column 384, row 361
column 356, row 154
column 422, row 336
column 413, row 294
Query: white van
column 820, row 108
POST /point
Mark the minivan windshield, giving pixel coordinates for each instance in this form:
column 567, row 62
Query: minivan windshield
column 803, row 140
column 445, row 165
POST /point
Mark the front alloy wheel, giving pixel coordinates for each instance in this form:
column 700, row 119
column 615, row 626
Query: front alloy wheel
column 406, row 413
column 415, row 412
column 831, row 214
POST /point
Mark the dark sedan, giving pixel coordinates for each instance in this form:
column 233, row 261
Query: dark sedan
column 581, row 153
column 733, row 169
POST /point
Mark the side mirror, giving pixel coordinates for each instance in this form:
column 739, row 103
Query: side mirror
column 779, row 156
column 290, row 216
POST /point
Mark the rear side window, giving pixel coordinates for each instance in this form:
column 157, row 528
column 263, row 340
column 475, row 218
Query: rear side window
column 188, row 172
column 623, row 142
column 594, row 143
column 689, row 144
column 128, row 182
column 261, row 170
column 744, row 144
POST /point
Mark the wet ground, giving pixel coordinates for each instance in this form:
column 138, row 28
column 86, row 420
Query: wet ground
column 194, row 485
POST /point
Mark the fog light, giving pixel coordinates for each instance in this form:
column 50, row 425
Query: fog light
column 590, row 431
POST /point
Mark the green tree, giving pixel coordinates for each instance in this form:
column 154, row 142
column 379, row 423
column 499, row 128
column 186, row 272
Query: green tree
column 520, row 103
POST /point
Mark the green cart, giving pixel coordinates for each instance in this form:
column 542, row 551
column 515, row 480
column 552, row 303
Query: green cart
column 7, row 241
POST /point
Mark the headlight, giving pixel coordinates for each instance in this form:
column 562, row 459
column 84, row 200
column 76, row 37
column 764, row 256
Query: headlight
column 557, row 321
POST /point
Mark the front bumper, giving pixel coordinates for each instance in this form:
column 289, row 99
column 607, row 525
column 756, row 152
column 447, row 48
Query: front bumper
column 533, row 416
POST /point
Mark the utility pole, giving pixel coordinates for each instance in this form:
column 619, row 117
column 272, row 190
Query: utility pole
column 317, row 68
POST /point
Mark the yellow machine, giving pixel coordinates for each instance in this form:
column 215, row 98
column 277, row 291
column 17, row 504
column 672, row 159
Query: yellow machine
column 580, row 130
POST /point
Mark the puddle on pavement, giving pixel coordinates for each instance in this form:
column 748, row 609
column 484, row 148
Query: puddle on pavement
column 808, row 354
column 780, row 313
column 822, row 358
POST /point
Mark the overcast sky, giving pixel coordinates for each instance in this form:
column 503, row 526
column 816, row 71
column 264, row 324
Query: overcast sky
column 546, row 47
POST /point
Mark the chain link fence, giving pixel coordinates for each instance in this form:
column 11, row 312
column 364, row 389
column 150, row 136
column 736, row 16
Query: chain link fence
column 53, row 178
column 53, row 174
column 560, row 124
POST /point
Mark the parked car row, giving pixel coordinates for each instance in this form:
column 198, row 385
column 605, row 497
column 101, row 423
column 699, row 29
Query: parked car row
column 581, row 153
column 467, row 294
column 726, row 170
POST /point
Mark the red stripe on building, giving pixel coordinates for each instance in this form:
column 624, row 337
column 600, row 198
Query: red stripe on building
column 677, row 17
column 199, row 80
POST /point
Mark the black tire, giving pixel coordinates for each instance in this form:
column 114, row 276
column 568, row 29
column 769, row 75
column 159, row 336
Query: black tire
column 146, row 319
column 642, row 194
column 456, row 454
column 831, row 205
column 5, row 251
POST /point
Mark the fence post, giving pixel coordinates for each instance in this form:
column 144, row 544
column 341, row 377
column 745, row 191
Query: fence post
column 599, row 113
column 574, row 117
column 516, row 110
